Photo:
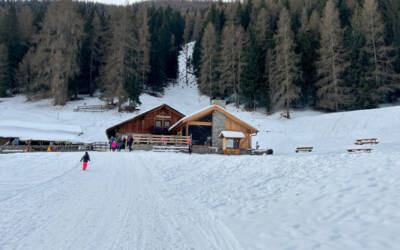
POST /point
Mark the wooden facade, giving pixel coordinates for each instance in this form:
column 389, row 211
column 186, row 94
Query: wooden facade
column 155, row 121
column 232, row 123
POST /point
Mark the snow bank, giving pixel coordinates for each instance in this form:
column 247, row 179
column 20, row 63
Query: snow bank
column 39, row 131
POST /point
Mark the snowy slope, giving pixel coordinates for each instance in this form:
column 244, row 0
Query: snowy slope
column 146, row 200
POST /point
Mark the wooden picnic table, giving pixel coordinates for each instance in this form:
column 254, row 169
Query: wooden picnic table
column 304, row 149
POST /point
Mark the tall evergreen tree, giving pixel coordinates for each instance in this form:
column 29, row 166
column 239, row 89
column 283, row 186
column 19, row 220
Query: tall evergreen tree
column 380, row 55
column 10, row 36
column 308, row 44
column 283, row 66
column 4, row 81
column 331, row 93
column 143, row 46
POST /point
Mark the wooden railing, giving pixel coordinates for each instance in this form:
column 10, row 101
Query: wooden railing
column 96, row 146
column 161, row 139
column 94, row 108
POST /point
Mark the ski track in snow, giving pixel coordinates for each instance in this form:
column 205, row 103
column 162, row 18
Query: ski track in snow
column 116, row 204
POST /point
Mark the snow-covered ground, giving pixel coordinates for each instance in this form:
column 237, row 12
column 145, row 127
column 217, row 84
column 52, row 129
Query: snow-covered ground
column 148, row 200
column 327, row 199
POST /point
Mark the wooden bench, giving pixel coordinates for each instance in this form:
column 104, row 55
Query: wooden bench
column 304, row 149
column 354, row 150
column 366, row 141
column 170, row 149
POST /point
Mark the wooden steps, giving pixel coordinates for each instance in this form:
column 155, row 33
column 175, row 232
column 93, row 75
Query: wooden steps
column 169, row 148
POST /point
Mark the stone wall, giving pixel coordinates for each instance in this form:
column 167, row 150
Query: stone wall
column 218, row 120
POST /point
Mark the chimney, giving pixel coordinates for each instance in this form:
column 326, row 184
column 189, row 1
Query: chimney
column 221, row 103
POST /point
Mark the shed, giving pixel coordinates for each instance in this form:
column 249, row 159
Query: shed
column 154, row 121
column 205, row 127
column 231, row 141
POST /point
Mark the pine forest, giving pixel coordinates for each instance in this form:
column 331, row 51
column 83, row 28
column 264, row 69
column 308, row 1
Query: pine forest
column 278, row 55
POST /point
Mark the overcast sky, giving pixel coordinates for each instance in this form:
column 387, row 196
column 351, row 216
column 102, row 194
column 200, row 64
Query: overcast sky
column 110, row 1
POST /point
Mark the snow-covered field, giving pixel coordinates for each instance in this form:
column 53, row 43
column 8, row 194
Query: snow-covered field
column 327, row 199
column 147, row 200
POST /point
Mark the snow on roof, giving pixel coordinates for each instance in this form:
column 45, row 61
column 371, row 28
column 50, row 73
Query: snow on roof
column 186, row 117
column 142, row 113
column 39, row 131
column 201, row 110
column 231, row 134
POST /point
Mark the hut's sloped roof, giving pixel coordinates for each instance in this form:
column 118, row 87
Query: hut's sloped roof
column 207, row 110
column 145, row 112
column 232, row 134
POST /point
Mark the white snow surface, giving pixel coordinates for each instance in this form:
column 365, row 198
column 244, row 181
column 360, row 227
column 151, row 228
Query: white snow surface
column 326, row 199
column 149, row 200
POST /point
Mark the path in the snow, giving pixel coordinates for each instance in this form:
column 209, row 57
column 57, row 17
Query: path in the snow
column 119, row 203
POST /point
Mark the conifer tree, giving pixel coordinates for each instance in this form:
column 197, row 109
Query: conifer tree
column 208, row 76
column 10, row 36
column 308, row 44
column 283, row 69
column 331, row 93
column 120, row 76
column 379, row 54
column 57, row 47
column 143, row 47
column 4, row 81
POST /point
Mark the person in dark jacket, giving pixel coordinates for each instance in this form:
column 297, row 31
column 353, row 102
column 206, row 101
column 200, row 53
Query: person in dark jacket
column 85, row 159
column 130, row 142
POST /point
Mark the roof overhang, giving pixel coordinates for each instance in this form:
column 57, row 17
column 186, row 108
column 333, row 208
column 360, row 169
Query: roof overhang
column 208, row 110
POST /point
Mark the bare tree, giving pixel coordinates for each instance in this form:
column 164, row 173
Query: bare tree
column 189, row 25
column 283, row 70
column 26, row 17
column 373, row 28
column 57, row 48
column 198, row 24
column 120, row 70
column 208, row 61
column 331, row 92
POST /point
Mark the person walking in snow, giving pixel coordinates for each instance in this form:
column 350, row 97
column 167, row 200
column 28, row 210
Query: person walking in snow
column 85, row 159
column 114, row 146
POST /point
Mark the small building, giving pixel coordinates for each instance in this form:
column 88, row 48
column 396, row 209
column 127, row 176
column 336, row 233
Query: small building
column 205, row 127
column 156, row 121
column 231, row 141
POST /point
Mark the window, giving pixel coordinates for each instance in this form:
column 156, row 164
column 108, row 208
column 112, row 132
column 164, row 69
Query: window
column 158, row 124
column 166, row 124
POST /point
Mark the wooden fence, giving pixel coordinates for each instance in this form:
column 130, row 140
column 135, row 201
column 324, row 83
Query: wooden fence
column 161, row 139
column 96, row 146
column 94, row 108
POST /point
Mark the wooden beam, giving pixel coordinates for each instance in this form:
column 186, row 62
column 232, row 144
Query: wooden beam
column 187, row 129
column 197, row 123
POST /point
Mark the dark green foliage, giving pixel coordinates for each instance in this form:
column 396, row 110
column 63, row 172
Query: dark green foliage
column 254, row 84
column 10, row 37
column 166, row 36
column 166, row 27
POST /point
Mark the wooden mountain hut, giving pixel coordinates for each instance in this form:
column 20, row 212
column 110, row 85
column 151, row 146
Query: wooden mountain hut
column 156, row 121
column 206, row 125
